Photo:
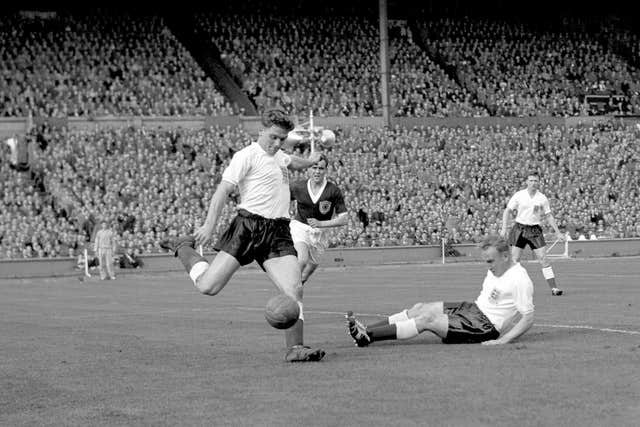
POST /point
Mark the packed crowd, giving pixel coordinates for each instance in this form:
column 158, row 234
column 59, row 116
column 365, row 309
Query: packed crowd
column 401, row 186
column 145, row 184
column 109, row 64
column 331, row 66
column 520, row 70
column 100, row 65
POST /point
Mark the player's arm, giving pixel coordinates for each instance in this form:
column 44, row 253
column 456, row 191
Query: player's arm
column 552, row 222
column 523, row 325
column 338, row 221
column 508, row 211
column 299, row 163
column 218, row 201
column 523, row 318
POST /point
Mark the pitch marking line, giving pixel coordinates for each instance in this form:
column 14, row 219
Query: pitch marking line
column 544, row 325
column 620, row 331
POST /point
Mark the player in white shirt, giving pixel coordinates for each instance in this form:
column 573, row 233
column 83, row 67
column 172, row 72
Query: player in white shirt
column 502, row 312
column 530, row 207
column 260, row 231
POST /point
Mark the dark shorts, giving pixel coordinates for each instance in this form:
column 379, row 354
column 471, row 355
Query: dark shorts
column 467, row 324
column 252, row 237
column 523, row 235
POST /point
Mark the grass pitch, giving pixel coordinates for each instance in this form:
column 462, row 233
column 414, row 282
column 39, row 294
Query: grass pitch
column 150, row 350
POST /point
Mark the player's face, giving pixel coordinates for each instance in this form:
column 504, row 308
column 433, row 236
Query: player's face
column 318, row 171
column 533, row 183
column 271, row 139
column 497, row 262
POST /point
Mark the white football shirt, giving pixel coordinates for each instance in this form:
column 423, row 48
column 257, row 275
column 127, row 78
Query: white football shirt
column 530, row 209
column 263, row 181
column 502, row 297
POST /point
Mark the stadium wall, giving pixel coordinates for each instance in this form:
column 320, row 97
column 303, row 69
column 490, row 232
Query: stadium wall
column 19, row 125
column 339, row 257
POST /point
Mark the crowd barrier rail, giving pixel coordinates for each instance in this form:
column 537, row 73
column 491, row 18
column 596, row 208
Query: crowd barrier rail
column 19, row 125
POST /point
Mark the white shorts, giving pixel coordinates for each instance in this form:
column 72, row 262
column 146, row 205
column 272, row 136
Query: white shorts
column 314, row 238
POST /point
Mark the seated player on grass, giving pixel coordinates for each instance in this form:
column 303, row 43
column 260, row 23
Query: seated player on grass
column 502, row 312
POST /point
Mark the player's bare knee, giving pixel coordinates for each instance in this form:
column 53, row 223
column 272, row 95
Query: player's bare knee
column 416, row 310
column 210, row 289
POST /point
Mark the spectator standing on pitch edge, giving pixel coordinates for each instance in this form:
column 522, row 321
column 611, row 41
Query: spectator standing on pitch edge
column 317, row 201
column 530, row 207
column 105, row 247
column 502, row 312
column 260, row 231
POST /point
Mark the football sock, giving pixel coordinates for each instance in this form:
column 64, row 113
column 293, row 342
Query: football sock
column 197, row 270
column 547, row 272
column 294, row 335
column 399, row 317
column 397, row 331
column 190, row 257
column 406, row 329
column 394, row 318
column 382, row 333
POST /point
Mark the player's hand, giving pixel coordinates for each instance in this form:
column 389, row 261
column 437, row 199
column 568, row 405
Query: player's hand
column 203, row 234
column 314, row 157
column 561, row 236
column 313, row 222
column 503, row 233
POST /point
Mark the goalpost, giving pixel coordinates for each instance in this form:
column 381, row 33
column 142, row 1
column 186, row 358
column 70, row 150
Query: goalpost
column 86, row 263
column 556, row 250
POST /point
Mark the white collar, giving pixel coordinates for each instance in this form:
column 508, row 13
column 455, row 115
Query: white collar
column 315, row 197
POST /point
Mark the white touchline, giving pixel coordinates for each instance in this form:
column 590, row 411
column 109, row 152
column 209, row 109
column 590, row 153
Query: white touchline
column 620, row 331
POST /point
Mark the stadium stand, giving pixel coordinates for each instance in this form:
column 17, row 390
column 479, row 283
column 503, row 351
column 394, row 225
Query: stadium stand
column 98, row 65
column 403, row 186
column 415, row 186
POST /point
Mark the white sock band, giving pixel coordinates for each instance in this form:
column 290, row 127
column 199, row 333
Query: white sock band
column 301, row 316
column 406, row 329
column 547, row 272
column 398, row 317
column 198, row 269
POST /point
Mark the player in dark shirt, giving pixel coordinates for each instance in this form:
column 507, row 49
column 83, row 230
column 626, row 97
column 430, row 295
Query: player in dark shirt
column 319, row 205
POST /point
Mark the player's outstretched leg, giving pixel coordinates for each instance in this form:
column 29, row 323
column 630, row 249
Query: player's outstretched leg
column 294, row 337
column 400, row 329
column 357, row 330
column 285, row 274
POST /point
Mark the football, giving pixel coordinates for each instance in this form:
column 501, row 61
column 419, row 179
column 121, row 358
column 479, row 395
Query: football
column 282, row 311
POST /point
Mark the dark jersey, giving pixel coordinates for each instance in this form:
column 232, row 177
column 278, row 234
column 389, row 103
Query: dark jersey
column 329, row 202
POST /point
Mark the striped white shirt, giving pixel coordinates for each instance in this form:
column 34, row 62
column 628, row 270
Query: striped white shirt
column 263, row 181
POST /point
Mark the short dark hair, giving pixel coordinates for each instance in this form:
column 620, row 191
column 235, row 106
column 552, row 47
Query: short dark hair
column 494, row 241
column 325, row 158
column 277, row 117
